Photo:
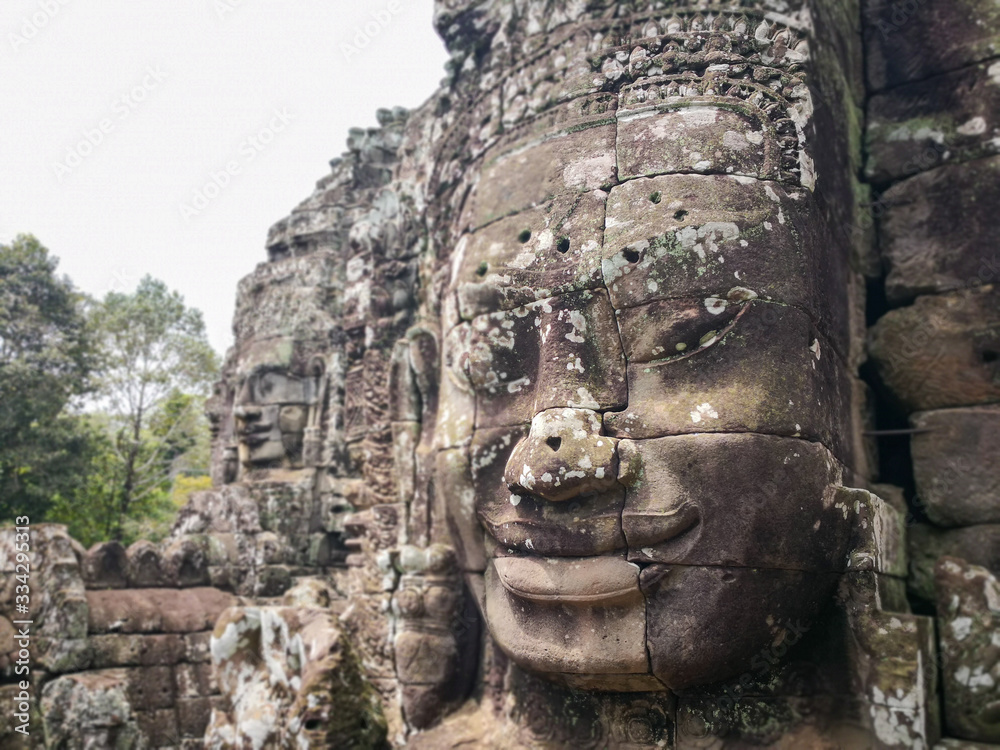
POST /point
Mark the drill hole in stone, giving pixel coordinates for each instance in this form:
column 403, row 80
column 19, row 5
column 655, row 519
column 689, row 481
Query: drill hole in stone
column 680, row 215
column 989, row 357
column 524, row 236
column 313, row 725
column 483, row 268
column 554, row 443
column 631, row 255
column 563, row 245
column 655, row 197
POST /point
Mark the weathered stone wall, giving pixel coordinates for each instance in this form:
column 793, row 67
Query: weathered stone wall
column 119, row 645
column 932, row 137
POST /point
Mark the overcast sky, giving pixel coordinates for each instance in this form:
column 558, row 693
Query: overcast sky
column 117, row 112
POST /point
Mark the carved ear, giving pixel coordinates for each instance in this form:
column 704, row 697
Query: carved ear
column 425, row 363
column 878, row 540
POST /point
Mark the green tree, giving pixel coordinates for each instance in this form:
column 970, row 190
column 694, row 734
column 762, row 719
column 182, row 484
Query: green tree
column 46, row 359
column 156, row 368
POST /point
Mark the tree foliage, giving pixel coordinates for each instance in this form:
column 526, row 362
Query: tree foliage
column 156, row 368
column 46, row 361
column 101, row 402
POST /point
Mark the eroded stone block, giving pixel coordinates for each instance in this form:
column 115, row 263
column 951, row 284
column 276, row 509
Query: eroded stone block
column 938, row 228
column 724, row 500
column 942, row 351
column 968, row 610
column 541, row 252
column 105, row 565
column 909, row 42
column 577, row 159
column 146, row 568
column 768, row 371
column 956, row 465
column 910, row 131
column 529, row 359
column 90, row 709
column 978, row 545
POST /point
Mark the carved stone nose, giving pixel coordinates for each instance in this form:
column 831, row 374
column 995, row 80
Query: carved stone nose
column 564, row 455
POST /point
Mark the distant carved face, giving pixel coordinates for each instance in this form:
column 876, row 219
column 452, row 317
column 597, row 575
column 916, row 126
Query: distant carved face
column 272, row 408
column 653, row 413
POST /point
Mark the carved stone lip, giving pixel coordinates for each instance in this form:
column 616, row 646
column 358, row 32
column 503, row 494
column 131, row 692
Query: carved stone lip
column 570, row 580
column 648, row 527
column 255, row 435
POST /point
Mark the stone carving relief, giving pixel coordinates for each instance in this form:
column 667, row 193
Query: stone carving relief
column 554, row 382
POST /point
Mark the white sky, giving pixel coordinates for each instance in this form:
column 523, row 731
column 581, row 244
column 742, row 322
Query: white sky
column 180, row 86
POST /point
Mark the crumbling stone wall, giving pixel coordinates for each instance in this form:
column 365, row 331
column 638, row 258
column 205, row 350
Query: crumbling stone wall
column 119, row 646
column 932, row 137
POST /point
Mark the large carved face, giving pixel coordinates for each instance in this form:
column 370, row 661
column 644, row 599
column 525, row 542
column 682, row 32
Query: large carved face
column 645, row 399
column 272, row 408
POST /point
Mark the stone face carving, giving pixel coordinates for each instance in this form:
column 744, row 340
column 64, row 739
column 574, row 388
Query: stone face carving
column 646, row 364
column 277, row 411
column 554, row 382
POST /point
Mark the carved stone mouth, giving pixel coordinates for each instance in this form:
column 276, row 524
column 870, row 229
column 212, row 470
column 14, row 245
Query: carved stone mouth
column 584, row 580
column 255, row 435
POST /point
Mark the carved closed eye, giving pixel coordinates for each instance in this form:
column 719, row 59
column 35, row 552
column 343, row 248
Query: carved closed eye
column 670, row 328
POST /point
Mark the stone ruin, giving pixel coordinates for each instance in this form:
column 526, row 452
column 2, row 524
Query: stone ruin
column 576, row 407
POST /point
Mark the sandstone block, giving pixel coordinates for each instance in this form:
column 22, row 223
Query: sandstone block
column 105, row 566
column 719, row 240
column 193, row 715
column 195, row 680
column 557, row 635
column 150, row 688
column 943, row 351
column 683, row 493
column 159, row 727
column 978, row 545
column 909, row 42
column 927, row 250
column 90, row 709
column 146, row 568
column 968, row 609
column 576, row 159
column 529, row 359
column 587, row 525
column 910, row 131
column 156, row 610
column 186, row 562
column 769, row 371
column 555, row 247
column 130, row 650
column 197, row 647
column 956, row 464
